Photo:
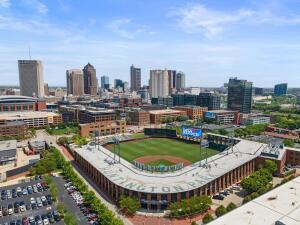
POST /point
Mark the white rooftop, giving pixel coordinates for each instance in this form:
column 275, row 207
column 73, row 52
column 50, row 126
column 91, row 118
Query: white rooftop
column 281, row 204
column 189, row 178
column 8, row 145
column 25, row 115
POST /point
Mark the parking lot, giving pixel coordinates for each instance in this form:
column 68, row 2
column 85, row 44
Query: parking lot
column 27, row 203
column 74, row 202
column 233, row 194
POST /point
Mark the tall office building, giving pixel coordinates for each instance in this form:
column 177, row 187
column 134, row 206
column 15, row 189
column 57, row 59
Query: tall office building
column 239, row 95
column 104, row 82
column 31, row 78
column 180, row 81
column 280, row 89
column 90, row 80
column 119, row 83
column 210, row 100
column 75, row 84
column 159, row 83
column 135, row 78
column 172, row 81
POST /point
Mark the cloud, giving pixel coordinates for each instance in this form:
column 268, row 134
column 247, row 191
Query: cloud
column 200, row 19
column 37, row 5
column 4, row 3
column 125, row 28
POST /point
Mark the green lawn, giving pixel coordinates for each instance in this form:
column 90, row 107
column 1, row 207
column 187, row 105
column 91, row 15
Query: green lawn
column 161, row 146
column 61, row 131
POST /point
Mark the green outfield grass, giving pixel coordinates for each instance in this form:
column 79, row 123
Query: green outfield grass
column 161, row 146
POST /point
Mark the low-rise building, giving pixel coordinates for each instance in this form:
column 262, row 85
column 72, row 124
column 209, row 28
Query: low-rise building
column 282, row 133
column 223, row 116
column 15, row 103
column 193, row 112
column 37, row 146
column 32, row 119
column 255, row 119
column 138, row 117
column 8, row 152
column 103, row 128
column 156, row 116
column 13, row 129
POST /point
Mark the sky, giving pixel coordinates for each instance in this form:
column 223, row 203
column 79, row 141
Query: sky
column 209, row 40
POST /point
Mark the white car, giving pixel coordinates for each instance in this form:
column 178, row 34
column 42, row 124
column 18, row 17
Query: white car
column 10, row 211
column 46, row 222
column 22, row 208
column 32, row 200
column 43, row 198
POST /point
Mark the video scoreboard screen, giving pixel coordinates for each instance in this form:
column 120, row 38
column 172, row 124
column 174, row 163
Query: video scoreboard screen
column 191, row 132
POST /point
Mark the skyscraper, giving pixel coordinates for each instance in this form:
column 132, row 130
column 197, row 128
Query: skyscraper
column 75, row 82
column 159, row 83
column 135, row 78
column 31, row 77
column 104, row 82
column 119, row 83
column 90, row 80
column 172, row 81
column 180, row 81
column 210, row 100
column 239, row 95
column 280, row 89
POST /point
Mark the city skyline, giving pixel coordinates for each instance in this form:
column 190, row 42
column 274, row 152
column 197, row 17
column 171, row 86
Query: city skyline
column 204, row 39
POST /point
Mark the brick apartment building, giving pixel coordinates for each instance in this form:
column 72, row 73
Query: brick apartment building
column 193, row 112
column 13, row 129
column 157, row 115
column 138, row 117
column 103, row 128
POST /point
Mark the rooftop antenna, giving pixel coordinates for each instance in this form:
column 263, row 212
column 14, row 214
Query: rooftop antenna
column 29, row 53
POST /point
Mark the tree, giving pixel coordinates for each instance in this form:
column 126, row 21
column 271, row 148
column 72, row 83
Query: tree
column 288, row 143
column 270, row 166
column 129, row 205
column 220, row 211
column 230, row 206
column 207, row 218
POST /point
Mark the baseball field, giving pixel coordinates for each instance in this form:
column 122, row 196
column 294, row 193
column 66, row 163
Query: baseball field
column 161, row 151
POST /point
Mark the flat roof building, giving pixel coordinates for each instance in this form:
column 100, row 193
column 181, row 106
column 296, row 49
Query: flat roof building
column 156, row 116
column 279, row 206
column 32, row 119
column 8, row 152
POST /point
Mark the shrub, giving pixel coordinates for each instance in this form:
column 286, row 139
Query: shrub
column 230, row 206
column 207, row 218
column 129, row 205
column 220, row 211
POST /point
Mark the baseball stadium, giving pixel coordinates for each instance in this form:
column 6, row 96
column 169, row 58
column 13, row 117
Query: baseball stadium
column 168, row 166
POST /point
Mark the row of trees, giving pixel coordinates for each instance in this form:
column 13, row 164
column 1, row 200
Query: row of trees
column 188, row 207
column 77, row 139
column 287, row 121
column 54, row 161
column 250, row 130
column 106, row 217
column 259, row 182
column 173, row 119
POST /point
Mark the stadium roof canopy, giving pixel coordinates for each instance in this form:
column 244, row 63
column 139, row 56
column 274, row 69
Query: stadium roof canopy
column 190, row 177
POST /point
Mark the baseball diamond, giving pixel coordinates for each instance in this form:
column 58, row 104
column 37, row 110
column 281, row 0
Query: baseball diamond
column 185, row 152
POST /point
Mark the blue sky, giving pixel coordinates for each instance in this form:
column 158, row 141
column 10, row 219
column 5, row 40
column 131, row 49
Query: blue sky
column 210, row 40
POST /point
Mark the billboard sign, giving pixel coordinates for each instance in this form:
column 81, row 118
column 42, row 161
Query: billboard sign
column 191, row 132
column 210, row 115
